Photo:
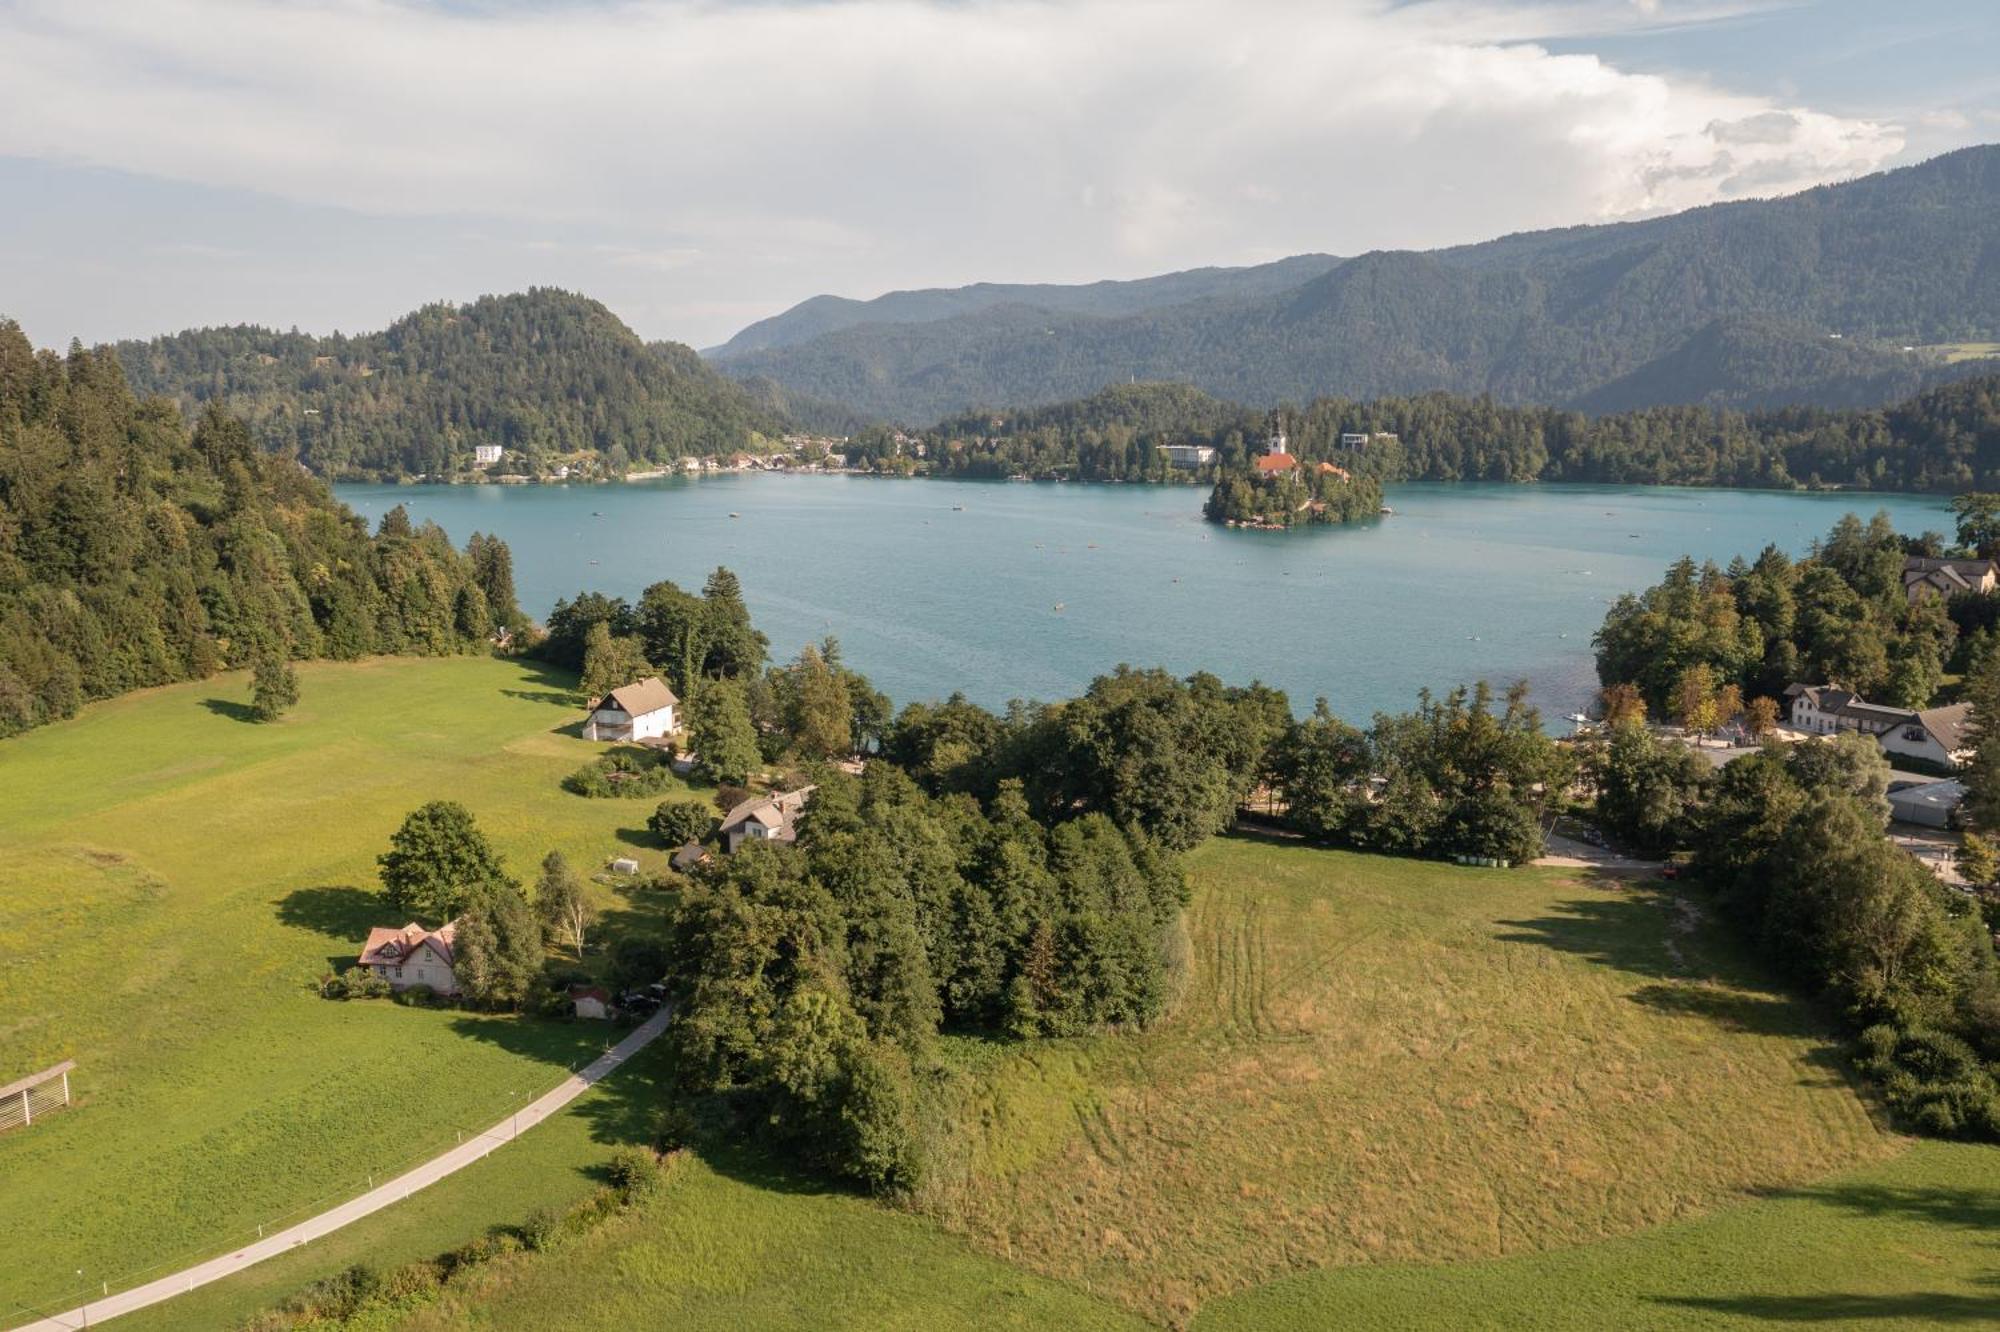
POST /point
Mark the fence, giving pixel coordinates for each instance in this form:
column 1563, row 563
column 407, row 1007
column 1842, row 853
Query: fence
column 23, row 1102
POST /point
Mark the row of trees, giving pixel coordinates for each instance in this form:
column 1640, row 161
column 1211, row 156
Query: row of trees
column 135, row 552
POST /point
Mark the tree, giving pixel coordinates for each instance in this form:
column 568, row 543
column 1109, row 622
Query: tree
column 1647, row 789
column 610, row 663
column 1694, row 698
column 1728, row 704
column 735, row 648
column 1322, row 767
column 274, row 686
column 1978, row 515
column 498, row 946
column 437, row 860
column 1978, row 862
column 493, row 575
column 820, row 707
column 1760, row 716
column 719, row 730
column 563, row 903
column 678, row 822
column 1621, row 702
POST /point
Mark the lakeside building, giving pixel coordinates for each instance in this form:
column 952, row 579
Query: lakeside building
column 1924, row 576
column 772, row 818
column 641, row 711
column 1939, row 736
column 485, row 455
column 1188, row 455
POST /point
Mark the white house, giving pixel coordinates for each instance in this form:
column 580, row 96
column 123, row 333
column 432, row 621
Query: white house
column 772, row 818
column 485, row 455
column 412, row 955
column 1926, row 577
column 1935, row 735
column 642, row 711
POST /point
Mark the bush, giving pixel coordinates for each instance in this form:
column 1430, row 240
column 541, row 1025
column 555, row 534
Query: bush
column 354, row 983
column 1934, row 1080
column 623, row 773
column 678, row 822
column 337, row 1297
column 635, row 1174
column 544, row 1231
column 416, row 996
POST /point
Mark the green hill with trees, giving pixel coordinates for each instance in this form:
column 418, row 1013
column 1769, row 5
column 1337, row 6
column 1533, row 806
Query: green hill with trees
column 135, row 552
column 544, row 375
column 1727, row 304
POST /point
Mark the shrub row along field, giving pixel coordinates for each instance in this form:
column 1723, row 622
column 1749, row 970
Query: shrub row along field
column 174, row 882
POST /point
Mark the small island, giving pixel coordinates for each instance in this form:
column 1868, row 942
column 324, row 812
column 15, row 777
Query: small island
column 1278, row 490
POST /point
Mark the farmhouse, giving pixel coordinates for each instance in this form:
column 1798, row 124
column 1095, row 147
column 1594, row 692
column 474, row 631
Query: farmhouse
column 642, row 711
column 770, row 818
column 412, row 955
column 1926, row 577
column 1935, row 735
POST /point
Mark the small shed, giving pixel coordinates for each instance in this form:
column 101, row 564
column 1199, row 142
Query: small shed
column 592, row 1001
column 1930, row 804
column 624, row 865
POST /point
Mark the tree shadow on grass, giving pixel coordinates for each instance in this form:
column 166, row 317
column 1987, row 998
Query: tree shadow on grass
column 230, row 708
column 641, row 837
column 1970, row 1209
column 1626, row 932
column 1732, row 1010
column 554, row 697
column 339, row 911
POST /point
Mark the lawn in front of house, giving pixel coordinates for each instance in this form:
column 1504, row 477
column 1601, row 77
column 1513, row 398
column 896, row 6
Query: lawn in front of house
column 174, row 881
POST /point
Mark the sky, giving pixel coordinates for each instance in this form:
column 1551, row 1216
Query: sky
column 700, row 164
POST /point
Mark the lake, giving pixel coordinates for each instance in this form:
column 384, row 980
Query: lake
column 1031, row 590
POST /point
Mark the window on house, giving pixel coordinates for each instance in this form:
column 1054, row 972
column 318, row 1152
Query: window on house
column 399, row 973
column 1913, row 733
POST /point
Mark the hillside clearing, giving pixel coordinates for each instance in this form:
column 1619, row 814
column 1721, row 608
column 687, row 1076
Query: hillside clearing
column 1383, row 1061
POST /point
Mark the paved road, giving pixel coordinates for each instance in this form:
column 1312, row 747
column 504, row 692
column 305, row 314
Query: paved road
column 397, row 1189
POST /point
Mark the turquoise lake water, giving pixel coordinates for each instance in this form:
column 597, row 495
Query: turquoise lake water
column 1033, row 589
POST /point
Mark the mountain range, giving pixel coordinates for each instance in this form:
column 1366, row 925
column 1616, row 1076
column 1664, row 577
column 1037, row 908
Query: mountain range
column 1839, row 296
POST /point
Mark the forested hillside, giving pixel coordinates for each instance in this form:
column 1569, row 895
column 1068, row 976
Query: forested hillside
column 1731, row 305
column 543, row 374
column 1946, row 439
column 134, row 552
column 827, row 314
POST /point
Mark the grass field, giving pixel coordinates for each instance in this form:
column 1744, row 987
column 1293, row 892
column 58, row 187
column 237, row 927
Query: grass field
column 1385, row 1061
column 1964, row 351
column 173, row 882
column 1394, row 1093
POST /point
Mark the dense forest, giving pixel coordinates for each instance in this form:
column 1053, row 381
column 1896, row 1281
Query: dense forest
column 1808, row 300
column 546, row 375
column 1947, row 439
column 135, row 552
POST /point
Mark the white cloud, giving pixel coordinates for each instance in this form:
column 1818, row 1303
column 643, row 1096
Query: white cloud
column 761, row 151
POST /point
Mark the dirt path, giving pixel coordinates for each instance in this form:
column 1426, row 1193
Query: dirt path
column 397, row 1189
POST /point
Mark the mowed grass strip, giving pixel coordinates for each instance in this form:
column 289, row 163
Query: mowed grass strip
column 173, row 882
column 738, row 1243
column 1383, row 1061
column 1905, row 1243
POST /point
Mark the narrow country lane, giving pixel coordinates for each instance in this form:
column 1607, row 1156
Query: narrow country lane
column 395, row 1190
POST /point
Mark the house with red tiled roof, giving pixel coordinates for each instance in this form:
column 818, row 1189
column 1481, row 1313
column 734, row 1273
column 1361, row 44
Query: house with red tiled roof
column 413, row 955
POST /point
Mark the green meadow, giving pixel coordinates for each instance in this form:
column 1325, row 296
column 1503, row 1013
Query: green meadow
column 175, row 880
column 1391, row 1093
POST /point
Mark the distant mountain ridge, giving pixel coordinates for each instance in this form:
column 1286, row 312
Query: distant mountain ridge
column 1728, row 305
column 820, row 315
column 543, row 374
